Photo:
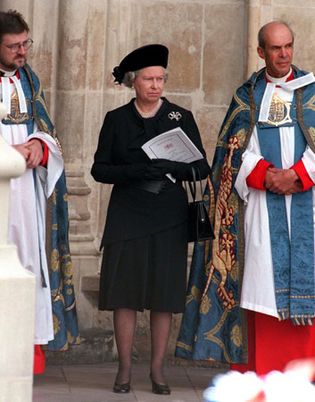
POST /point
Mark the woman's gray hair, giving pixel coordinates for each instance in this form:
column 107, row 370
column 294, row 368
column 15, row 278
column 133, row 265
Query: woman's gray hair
column 130, row 77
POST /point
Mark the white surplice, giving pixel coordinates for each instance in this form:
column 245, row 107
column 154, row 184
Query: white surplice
column 258, row 291
column 27, row 213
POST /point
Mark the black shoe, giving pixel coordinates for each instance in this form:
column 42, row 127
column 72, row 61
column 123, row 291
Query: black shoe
column 160, row 389
column 121, row 388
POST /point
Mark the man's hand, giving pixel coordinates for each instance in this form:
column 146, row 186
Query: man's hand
column 32, row 151
column 23, row 150
column 36, row 153
column 282, row 181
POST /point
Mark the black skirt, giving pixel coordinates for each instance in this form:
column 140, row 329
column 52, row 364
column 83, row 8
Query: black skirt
column 146, row 273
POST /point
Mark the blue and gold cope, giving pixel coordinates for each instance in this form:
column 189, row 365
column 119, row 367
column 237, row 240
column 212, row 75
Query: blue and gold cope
column 57, row 241
column 214, row 326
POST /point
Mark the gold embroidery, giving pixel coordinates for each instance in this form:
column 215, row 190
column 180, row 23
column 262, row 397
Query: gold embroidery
column 310, row 104
column 205, row 305
column 210, row 335
column 184, row 346
column 223, row 257
column 54, row 260
column 241, row 107
column 195, row 292
column 193, row 295
column 279, row 112
column 67, row 266
column 57, row 296
column 53, row 197
column 16, row 116
column 236, row 335
column 56, row 324
column 311, row 131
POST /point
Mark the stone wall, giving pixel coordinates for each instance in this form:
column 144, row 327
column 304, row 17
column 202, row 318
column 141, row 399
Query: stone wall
column 212, row 47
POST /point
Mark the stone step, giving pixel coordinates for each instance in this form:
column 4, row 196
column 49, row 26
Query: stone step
column 97, row 346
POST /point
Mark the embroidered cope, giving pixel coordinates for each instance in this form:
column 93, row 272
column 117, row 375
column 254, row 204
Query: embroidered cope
column 27, row 119
column 214, row 325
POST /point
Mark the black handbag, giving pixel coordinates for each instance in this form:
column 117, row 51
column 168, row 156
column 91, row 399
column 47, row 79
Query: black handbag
column 199, row 225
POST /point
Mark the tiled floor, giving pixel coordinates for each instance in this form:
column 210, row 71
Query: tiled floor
column 93, row 383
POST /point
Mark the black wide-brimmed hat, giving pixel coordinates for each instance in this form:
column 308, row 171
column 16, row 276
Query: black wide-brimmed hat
column 145, row 56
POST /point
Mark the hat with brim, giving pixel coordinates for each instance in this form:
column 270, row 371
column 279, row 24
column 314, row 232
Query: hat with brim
column 145, row 56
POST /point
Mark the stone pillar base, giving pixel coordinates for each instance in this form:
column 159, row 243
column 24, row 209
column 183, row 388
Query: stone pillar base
column 17, row 315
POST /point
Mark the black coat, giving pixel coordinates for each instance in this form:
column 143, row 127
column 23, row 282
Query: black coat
column 119, row 160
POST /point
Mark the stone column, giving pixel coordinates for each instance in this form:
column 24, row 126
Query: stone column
column 259, row 13
column 253, row 26
column 17, row 297
column 78, row 116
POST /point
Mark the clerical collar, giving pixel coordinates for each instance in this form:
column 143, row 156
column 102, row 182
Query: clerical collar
column 287, row 84
column 7, row 73
column 287, row 77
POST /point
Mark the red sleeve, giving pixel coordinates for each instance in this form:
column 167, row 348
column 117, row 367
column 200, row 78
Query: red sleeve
column 256, row 179
column 45, row 154
column 44, row 161
column 300, row 170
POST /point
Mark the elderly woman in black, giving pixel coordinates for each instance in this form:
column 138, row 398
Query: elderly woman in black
column 145, row 236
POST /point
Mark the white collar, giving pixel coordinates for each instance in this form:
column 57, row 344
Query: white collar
column 7, row 73
column 277, row 80
column 290, row 86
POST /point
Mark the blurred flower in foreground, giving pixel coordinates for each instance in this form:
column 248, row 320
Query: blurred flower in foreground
column 276, row 386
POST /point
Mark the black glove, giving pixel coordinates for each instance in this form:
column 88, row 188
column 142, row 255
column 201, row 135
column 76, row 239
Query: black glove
column 160, row 167
column 136, row 171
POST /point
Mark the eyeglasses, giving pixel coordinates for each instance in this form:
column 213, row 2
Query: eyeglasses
column 15, row 47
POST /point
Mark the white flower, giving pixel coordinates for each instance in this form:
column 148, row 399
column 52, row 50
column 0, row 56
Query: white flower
column 234, row 386
column 291, row 386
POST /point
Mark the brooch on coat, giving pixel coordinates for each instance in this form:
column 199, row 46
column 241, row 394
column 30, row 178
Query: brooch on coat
column 174, row 115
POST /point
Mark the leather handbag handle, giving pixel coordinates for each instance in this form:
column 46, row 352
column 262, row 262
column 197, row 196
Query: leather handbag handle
column 192, row 185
